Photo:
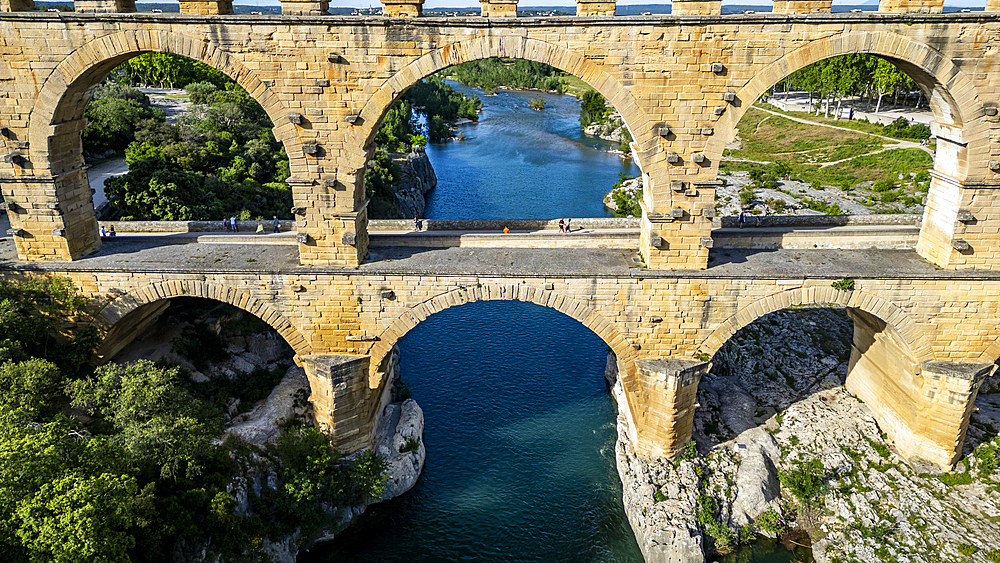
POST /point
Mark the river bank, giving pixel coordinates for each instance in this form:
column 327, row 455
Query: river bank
column 773, row 406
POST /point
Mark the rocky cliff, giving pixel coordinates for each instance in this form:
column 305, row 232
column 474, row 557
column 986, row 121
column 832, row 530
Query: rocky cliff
column 773, row 414
column 415, row 178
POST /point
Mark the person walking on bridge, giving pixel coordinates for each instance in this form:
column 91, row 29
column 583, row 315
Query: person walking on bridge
column 232, row 223
column 277, row 224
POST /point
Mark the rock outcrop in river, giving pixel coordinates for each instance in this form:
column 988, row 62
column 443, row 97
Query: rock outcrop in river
column 783, row 450
column 415, row 178
column 611, row 128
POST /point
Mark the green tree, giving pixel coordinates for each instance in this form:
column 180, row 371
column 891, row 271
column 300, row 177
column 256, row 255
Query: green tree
column 113, row 122
column 30, row 315
column 78, row 517
column 592, row 108
column 155, row 420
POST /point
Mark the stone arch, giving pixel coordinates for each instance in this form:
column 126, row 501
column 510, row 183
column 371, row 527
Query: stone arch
column 119, row 308
column 573, row 308
column 952, row 94
column 991, row 354
column 483, row 47
column 63, row 96
column 887, row 311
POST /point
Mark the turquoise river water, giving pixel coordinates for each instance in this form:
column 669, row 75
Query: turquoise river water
column 519, row 424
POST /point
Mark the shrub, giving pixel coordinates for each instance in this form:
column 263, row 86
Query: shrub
column 746, row 195
column 805, row 481
column 411, row 445
column 369, row 473
column 690, row 451
column 771, row 522
column 966, row 549
column 993, row 556
column 883, row 186
column 846, row 284
column 658, row 496
column 705, row 514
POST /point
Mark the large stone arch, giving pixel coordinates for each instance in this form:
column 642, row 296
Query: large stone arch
column 483, row 47
column 952, row 94
column 573, row 308
column 119, row 308
column 64, row 94
column 887, row 311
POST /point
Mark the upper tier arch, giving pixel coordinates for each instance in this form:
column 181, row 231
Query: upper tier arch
column 485, row 47
column 63, row 97
column 953, row 97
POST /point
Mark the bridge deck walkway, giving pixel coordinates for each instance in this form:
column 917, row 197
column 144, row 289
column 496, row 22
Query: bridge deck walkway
column 149, row 254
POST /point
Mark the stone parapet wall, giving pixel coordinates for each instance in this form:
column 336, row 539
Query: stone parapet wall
column 732, row 222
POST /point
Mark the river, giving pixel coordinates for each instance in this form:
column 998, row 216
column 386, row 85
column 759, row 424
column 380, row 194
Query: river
column 517, row 163
column 519, row 424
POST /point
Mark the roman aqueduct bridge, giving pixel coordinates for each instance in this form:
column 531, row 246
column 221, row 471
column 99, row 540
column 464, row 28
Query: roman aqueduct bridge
column 924, row 340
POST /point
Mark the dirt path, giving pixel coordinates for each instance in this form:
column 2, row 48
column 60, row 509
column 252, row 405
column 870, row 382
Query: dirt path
column 896, row 143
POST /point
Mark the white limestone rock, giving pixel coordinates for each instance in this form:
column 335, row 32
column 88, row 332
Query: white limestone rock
column 757, row 476
column 402, row 424
column 260, row 425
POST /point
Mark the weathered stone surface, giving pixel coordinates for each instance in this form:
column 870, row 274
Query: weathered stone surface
column 401, row 422
column 342, row 74
column 757, row 477
column 260, row 425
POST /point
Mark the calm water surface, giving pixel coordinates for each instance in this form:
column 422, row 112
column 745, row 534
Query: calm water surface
column 517, row 163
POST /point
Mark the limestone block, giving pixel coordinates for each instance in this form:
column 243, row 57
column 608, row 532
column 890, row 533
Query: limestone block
column 801, row 6
column 305, row 7
column 911, row 6
column 104, row 6
column 343, row 404
column 16, row 5
column 696, row 7
column 403, row 8
column 499, row 9
column 594, row 8
column 662, row 401
column 212, row 8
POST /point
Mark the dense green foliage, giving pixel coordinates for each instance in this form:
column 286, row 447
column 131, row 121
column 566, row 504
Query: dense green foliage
column 114, row 116
column 220, row 159
column 122, row 463
column 593, row 108
column 167, row 70
column 490, row 74
column 442, row 106
column 626, row 198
